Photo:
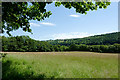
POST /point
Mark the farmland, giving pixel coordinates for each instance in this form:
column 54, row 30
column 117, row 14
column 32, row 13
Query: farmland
column 18, row 65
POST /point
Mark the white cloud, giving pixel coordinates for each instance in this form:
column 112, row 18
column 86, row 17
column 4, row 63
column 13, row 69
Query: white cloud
column 75, row 15
column 114, row 0
column 34, row 24
column 43, row 23
column 70, row 35
column 47, row 23
column 107, row 32
column 75, row 35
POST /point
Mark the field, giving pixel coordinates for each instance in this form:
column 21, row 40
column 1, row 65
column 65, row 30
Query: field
column 59, row 65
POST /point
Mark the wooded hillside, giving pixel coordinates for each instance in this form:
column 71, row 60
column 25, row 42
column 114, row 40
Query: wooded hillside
column 104, row 39
column 99, row 43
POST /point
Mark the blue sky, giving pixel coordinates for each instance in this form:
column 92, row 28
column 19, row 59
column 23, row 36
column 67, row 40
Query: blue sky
column 66, row 23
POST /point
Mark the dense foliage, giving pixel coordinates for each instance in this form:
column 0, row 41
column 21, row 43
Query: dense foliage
column 25, row 43
column 17, row 15
column 104, row 39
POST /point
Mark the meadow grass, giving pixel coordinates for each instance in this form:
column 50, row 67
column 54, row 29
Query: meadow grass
column 59, row 65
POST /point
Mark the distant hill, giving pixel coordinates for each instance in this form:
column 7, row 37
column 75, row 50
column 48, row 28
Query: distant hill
column 103, row 39
column 100, row 43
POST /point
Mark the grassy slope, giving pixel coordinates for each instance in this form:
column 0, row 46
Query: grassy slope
column 60, row 65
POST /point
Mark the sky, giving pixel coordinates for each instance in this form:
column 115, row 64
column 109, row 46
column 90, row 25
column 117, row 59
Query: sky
column 66, row 23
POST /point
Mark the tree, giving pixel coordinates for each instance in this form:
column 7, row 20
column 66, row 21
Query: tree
column 73, row 47
column 17, row 15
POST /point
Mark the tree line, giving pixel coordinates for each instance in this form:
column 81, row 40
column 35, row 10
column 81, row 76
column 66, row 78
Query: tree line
column 104, row 39
column 26, row 44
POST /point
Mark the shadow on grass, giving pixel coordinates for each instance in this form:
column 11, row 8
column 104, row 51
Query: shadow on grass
column 10, row 73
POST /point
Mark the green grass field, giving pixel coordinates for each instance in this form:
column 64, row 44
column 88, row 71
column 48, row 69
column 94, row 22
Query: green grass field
column 59, row 65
